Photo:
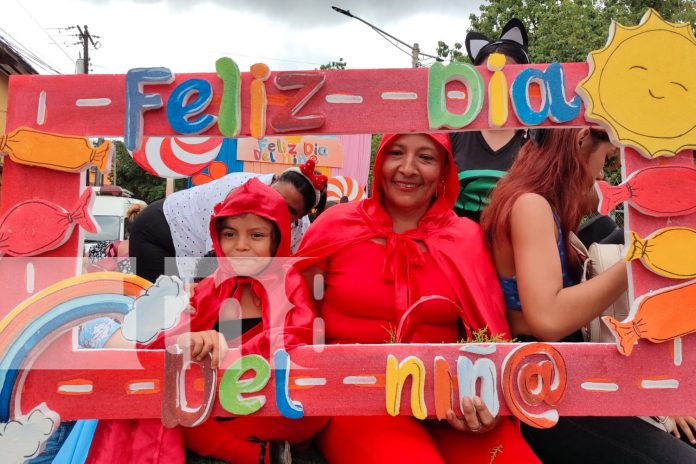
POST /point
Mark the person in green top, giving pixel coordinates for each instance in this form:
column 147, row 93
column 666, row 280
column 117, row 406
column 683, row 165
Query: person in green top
column 482, row 158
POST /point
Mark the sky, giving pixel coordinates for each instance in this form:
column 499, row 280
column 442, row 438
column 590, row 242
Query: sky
column 190, row 35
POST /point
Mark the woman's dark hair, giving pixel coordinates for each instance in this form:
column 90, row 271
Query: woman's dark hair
column 132, row 212
column 507, row 48
column 275, row 231
column 306, row 189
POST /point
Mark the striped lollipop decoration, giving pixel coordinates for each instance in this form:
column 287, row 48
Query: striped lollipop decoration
column 177, row 157
column 343, row 189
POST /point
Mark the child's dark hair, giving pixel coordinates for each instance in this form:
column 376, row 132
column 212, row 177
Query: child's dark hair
column 205, row 266
column 275, row 231
column 306, row 189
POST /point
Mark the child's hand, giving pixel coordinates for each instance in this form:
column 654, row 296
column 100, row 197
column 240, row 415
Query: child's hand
column 203, row 343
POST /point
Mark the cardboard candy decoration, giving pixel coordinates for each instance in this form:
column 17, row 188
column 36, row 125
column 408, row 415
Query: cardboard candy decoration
column 342, row 189
column 657, row 317
column 647, row 189
column 669, row 252
column 177, row 157
column 54, row 151
column 36, row 226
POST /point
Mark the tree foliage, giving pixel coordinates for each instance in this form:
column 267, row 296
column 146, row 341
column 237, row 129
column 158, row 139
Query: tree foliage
column 340, row 64
column 129, row 175
column 566, row 30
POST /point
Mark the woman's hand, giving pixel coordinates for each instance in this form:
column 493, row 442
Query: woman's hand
column 203, row 343
column 477, row 418
column 687, row 424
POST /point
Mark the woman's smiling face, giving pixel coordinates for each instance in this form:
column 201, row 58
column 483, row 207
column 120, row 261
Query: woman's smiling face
column 412, row 169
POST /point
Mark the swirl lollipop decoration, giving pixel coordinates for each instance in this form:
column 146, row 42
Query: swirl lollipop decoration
column 343, row 189
column 177, row 157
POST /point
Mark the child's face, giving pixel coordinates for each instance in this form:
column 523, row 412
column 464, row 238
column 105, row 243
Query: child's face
column 247, row 243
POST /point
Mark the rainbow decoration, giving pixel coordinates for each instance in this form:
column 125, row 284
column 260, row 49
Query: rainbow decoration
column 36, row 322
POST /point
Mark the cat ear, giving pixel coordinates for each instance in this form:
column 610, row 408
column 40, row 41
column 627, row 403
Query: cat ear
column 474, row 42
column 515, row 31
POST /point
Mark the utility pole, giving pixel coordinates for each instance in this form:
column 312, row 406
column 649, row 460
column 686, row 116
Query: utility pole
column 415, row 51
column 85, row 39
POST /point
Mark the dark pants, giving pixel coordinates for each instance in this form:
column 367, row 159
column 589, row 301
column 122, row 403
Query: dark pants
column 612, row 440
column 151, row 242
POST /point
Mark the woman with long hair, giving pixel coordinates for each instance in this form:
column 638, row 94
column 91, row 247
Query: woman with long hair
column 533, row 212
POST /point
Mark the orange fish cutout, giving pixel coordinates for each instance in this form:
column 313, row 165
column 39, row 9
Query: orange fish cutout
column 669, row 252
column 58, row 152
column 657, row 317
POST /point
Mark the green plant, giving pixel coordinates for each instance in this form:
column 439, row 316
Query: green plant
column 482, row 336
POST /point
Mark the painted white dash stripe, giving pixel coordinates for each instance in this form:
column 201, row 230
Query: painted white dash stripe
column 399, row 96
column 141, row 386
column 93, row 102
column 30, row 277
column 78, row 388
column 360, row 380
column 339, row 98
column 41, row 109
column 489, row 349
column 677, row 351
column 309, row 381
column 668, row 383
column 456, row 95
column 599, row 386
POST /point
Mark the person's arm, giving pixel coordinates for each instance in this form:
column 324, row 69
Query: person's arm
column 117, row 340
column 551, row 311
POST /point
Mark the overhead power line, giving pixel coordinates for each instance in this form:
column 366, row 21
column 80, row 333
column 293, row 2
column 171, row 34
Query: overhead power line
column 45, row 32
column 25, row 52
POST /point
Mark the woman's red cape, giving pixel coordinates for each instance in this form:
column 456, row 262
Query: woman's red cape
column 456, row 244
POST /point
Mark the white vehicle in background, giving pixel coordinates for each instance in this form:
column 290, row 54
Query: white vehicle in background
column 110, row 207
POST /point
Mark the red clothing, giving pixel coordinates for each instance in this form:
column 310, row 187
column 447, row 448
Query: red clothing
column 454, row 249
column 419, row 285
column 372, row 308
column 287, row 319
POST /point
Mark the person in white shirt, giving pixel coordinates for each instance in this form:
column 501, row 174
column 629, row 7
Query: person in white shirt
column 177, row 226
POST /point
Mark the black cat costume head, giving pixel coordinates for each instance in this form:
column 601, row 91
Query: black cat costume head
column 512, row 43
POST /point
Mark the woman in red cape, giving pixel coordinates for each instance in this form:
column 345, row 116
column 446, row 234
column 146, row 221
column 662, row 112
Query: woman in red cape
column 286, row 321
column 401, row 266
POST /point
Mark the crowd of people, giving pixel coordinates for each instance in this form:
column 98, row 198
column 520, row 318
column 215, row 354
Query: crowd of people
column 515, row 276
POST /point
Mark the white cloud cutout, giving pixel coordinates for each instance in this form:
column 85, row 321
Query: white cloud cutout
column 25, row 436
column 157, row 309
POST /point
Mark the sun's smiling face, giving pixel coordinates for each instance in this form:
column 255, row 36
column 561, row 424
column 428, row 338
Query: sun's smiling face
column 642, row 86
column 658, row 86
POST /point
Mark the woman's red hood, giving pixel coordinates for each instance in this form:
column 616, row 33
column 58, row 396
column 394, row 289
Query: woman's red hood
column 446, row 194
column 253, row 197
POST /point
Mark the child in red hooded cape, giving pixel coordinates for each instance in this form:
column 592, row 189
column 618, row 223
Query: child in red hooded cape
column 432, row 283
column 274, row 308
